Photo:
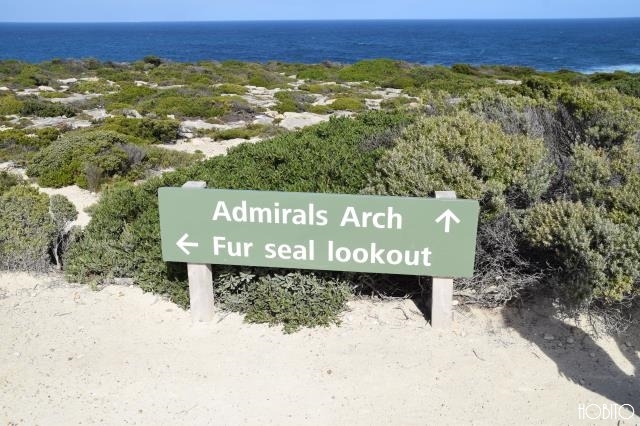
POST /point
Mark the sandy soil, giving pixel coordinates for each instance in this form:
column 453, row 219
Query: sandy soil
column 80, row 198
column 71, row 355
column 207, row 146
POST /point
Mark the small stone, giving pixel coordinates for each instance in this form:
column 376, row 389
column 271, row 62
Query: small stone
column 582, row 382
column 548, row 337
column 570, row 340
column 592, row 355
column 628, row 344
column 17, row 354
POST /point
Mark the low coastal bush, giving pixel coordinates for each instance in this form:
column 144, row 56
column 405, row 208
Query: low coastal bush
column 592, row 256
column 9, row 105
column 379, row 71
column 477, row 160
column 40, row 108
column 66, row 162
column 90, row 158
column 7, row 181
column 33, row 228
column 348, row 104
column 145, row 130
column 20, row 145
column 26, row 230
column 583, row 236
column 465, row 154
column 293, row 101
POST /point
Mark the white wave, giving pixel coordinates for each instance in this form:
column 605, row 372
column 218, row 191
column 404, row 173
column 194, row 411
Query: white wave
column 613, row 68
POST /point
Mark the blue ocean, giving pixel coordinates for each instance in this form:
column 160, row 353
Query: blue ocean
column 584, row 45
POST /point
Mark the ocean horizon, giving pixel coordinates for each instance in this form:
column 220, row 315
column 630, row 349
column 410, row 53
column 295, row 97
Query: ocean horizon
column 585, row 45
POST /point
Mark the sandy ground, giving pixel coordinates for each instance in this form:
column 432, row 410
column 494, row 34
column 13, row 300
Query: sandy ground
column 71, row 355
column 207, row 146
column 81, row 199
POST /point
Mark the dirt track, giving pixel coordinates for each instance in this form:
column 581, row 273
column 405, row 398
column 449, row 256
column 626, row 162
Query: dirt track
column 70, row 355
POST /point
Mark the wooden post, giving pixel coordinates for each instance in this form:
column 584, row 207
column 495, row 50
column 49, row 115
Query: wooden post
column 200, row 280
column 442, row 289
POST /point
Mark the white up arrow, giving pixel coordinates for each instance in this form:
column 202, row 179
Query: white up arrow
column 447, row 216
column 183, row 244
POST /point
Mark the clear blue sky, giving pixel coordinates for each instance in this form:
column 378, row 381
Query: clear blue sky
column 213, row 10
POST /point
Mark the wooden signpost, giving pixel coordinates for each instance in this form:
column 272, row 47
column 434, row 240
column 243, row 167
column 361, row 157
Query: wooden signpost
column 359, row 233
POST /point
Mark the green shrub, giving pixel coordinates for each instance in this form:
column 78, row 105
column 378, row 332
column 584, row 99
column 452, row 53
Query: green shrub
column 289, row 101
column 320, row 72
column 9, row 105
column 63, row 163
column 601, row 118
column 593, row 256
column 187, row 104
column 89, row 86
column 379, row 71
column 20, row 145
column 146, row 130
column 7, row 181
column 608, row 178
column 230, row 88
column 40, row 108
column 26, row 229
column 152, row 60
column 467, row 155
column 463, row 69
column 322, row 88
column 296, row 300
column 247, row 132
column 129, row 94
column 348, row 104
column 516, row 114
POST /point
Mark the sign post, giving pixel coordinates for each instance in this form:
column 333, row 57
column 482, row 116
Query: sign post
column 200, row 280
column 442, row 288
column 358, row 233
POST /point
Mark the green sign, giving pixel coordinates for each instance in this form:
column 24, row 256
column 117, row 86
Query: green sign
column 395, row 235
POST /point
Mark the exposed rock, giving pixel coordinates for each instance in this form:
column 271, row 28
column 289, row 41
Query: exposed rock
column 297, row 120
column 263, row 120
column 97, row 113
column 75, row 97
column 131, row 113
column 509, row 82
column 261, row 97
column 387, row 93
column 322, row 100
column 373, row 103
column 74, row 123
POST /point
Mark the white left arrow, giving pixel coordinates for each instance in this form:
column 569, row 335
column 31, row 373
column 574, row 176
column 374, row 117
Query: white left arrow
column 183, row 244
column 447, row 216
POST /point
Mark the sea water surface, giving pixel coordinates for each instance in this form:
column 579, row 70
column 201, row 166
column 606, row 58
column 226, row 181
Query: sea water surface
column 586, row 45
